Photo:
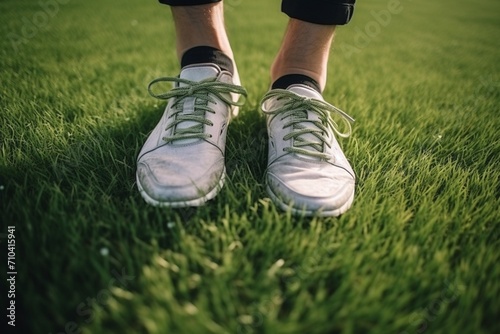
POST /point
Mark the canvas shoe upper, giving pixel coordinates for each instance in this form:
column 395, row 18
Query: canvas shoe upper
column 182, row 161
column 307, row 171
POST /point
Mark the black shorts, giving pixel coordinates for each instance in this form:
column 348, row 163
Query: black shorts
column 328, row 12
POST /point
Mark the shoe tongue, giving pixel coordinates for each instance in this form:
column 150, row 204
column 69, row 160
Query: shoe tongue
column 198, row 73
column 306, row 91
column 194, row 73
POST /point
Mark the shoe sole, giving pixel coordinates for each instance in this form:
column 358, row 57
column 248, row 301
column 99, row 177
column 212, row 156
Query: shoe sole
column 182, row 204
column 308, row 213
column 236, row 80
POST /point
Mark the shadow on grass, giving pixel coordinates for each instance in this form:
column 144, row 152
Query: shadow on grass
column 82, row 199
column 98, row 167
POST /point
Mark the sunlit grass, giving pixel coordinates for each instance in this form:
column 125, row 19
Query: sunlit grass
column 418, row 251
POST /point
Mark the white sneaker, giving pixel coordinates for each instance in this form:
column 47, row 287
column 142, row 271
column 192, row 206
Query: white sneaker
column 182, row 162
column 307, row 171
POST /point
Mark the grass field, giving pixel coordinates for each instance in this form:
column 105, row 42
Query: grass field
column 419, row 252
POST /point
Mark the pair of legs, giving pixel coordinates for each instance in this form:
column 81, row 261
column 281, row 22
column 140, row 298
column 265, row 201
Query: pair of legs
column 182, row 162
column 305, row 48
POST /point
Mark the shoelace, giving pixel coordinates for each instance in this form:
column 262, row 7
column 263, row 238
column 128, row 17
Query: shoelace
column 203, row 92
column 295, row 108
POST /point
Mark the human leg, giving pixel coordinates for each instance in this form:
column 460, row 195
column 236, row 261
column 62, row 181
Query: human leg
column 182, row 162
column 307, row 171
column 304, row 50
column 306, row 45
column 200, row 25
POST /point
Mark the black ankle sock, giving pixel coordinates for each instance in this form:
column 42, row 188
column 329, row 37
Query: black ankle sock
column 291, row 79
column 207, row 54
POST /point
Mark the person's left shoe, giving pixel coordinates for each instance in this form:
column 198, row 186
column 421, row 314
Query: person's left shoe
column 307, row 171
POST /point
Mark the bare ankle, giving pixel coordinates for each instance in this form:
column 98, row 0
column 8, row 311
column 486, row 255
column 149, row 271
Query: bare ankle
column 281, row 67
column 300, row 54
column 201, row 25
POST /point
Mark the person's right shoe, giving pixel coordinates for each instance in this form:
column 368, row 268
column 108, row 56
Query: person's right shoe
column 182, row 162
column 307, row 171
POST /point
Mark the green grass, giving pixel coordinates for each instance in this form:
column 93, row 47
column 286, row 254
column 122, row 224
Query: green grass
column 418, row 251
